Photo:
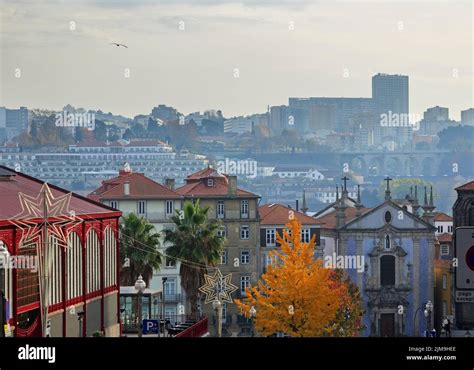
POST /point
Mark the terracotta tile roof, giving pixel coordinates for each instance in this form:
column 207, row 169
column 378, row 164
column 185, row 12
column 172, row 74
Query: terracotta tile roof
column 141, row 187
column 197, row 185
column 277, row 214
column 441, row 216
column 467, row 186
column 204, row 173
column 330, row 221
column 445, row 238
column 12, row 183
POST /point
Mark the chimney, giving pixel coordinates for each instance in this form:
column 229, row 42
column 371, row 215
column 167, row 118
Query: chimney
column 125, row 170
column 126, row 188
column 232, row 185
column 304, row 207
column 170, row 183
column 297, row 206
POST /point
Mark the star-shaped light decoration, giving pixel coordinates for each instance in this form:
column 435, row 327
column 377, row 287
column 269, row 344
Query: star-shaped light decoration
column 218, row 287
column 32, row 211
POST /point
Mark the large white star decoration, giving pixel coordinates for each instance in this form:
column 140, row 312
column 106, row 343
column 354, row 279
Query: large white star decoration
column 32, row 211
column 218, row 287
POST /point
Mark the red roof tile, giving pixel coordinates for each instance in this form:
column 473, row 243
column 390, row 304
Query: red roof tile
column 467, row 186
column 277, row 214
column 197, row 185
column 441, row 216
column 11, row 186
column 204, row 173
column 141, row 187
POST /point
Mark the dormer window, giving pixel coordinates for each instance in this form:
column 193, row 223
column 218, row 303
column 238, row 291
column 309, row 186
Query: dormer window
column 210, row 183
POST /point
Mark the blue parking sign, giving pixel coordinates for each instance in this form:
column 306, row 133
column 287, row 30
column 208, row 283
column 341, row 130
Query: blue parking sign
column 151, row 327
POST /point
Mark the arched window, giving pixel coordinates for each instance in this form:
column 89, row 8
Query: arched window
column 388, row 244
column 93, row 261
column 110, row 258
column 53, row 265
column 27, row 279
column 387, row 270
column 74, row 266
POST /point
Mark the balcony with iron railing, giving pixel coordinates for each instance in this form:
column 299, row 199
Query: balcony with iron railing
column 171, row 298
column 153, row 216
column 237, row 215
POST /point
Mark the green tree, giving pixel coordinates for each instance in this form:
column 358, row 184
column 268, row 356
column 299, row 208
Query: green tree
column 196, row 241
column 100, row 131
column 127, row 135
column 153, row 126
column 456, row 138
column 78, row 134
column 140, row 244
column 113, row 133
column 138, row 130
column 34, row 130
column 348, row 322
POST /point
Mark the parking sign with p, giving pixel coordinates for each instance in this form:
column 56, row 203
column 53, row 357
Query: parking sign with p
column 151, row 327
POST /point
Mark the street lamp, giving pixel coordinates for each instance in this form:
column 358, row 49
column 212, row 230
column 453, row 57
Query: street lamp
column 217, row 306
column 163, row 279
column 253, row 313
column 140, row 287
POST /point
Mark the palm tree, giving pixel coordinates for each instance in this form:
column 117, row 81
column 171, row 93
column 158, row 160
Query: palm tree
column 139, row 243
column 195, row 241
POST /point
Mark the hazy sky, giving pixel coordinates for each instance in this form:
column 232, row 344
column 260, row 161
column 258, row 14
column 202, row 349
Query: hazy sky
column 238, row 56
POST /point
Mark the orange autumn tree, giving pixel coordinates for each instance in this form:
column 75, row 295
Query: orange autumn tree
column 297, row 295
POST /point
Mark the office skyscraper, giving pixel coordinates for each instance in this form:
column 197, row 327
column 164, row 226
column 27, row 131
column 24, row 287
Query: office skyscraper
column 13, row 122
column 390, row 93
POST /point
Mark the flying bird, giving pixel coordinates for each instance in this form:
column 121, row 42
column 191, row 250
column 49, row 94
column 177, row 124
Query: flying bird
column 114, row 43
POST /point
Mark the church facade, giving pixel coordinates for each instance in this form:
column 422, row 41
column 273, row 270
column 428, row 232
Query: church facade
column 397, row 246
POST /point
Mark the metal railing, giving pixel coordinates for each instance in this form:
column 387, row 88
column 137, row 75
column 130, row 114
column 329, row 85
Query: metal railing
column 170, row 298
column 153, row 216
column 197, row 330
column 234, row 215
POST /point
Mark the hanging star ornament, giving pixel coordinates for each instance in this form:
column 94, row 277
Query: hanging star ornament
column 218, row 287
column 60, row 217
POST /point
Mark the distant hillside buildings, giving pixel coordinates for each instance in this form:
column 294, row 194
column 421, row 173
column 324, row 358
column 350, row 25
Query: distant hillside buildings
column 390, row 96
column 467, row 117
column 13, row 122
column 92, row 161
